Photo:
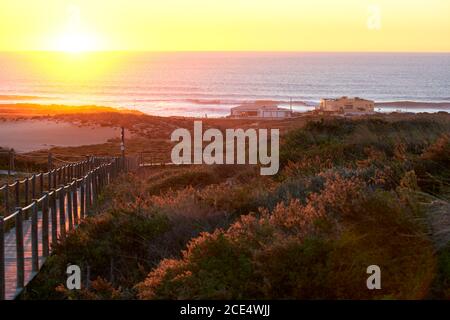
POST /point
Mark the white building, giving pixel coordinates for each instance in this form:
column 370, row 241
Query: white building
column 346, row 105
column 260, row 111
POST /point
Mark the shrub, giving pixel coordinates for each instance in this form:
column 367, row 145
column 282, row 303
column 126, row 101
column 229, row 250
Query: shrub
column 441, row 288
column 195, row 178
column 114, row 245
column 317, row 250
column 433, row 166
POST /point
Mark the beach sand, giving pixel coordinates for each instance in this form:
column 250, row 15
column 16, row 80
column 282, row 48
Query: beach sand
column 36, row 134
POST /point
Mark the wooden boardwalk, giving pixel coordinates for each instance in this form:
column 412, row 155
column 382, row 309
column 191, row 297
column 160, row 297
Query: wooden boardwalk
column 27, row 232
column 11, row 289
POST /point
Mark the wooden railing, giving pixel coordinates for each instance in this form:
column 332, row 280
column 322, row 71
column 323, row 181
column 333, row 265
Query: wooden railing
column 46, row 207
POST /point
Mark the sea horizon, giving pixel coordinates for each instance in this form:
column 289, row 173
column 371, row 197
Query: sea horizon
column 199, row 83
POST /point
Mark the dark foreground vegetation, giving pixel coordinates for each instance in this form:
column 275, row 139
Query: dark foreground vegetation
column 349, row 194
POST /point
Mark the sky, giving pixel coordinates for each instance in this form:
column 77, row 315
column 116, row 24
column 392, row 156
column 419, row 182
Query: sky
column 225, row 25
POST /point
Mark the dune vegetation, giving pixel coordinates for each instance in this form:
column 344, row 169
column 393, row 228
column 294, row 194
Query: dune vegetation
column 349, row 194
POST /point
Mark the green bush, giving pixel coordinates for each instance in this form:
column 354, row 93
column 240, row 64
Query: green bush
column 114, row 245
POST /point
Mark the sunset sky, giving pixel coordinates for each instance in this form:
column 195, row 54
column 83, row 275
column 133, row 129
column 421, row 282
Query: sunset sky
column 250, row 25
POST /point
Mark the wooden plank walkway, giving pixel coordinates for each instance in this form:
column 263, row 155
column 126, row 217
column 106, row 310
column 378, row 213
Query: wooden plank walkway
column 26, row 234
column 11, row 290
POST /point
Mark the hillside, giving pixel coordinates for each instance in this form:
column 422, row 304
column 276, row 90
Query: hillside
column 349, row 194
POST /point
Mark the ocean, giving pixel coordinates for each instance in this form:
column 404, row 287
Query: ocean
column 206, row 83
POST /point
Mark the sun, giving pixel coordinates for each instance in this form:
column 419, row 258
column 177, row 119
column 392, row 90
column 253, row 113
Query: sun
column 76, row 42
column 75, row 37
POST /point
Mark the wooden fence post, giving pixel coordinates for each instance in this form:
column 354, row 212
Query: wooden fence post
column 86, row 192
column 34, row 238
column 45, row 223
column 92, row 191
column 98, row 181
column 41, row 184
column 82, row 200
column 27, row 197
column 20, row 259
column 33, row 186
column 122, row 144
column 94, row 186
column 102, row 177
column 54, row 218
column 49, row 181
column 75, row 201
column 69, row 206
column 97, row 184
column 64, row 174
column 17, row 186
column 62, row 214
column 55, row 176
column 27, row 192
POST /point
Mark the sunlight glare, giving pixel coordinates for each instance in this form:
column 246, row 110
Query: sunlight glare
column 75, row 43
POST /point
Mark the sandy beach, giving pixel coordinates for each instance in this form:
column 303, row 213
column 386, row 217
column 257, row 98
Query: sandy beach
column 34, row 134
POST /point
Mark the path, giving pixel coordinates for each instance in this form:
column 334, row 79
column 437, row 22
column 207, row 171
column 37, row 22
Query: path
column 10, row 251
